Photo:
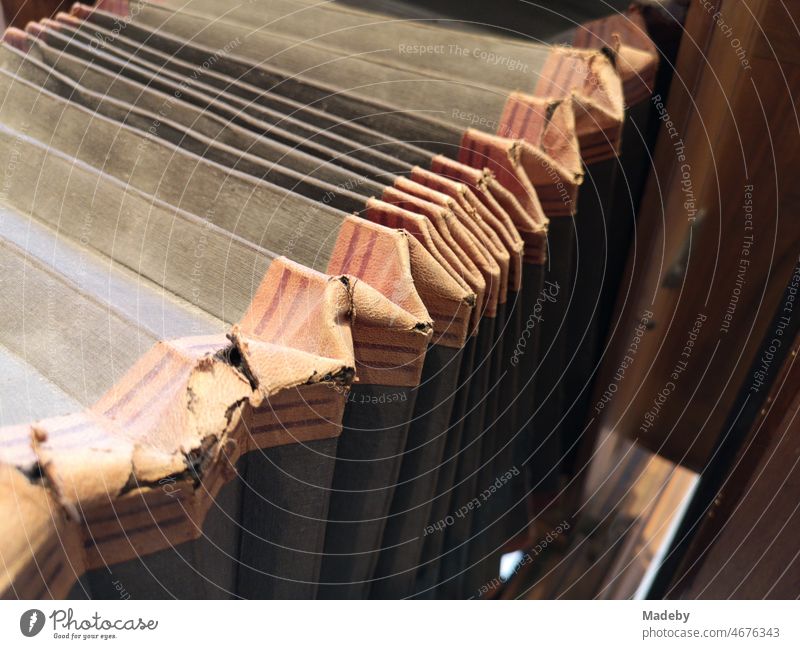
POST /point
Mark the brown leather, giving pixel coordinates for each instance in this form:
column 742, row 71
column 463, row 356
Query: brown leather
column 636, row 55
column 447, row 297
column 548, row 126
column 182, row 416
column 455, row 230
column 485, row 203
column 40, row 548
column 589, row 78
column 438, row 231
column 392, row 314
column 480, row 230
column 531, row 227
column 16, row 38
column 503, row 157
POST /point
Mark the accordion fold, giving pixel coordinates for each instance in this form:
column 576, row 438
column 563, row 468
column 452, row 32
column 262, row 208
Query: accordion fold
column 293, row 286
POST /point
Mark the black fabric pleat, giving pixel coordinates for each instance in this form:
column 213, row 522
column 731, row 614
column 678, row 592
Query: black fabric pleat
column 368, row 459
column 487, row 535
column 526, row 350
column 544, row 454
column 585, row 327
column 469, row 458
column 634, row 163
column 403, row 537
column 285, row 496
column 427, row 577
column 204, row 568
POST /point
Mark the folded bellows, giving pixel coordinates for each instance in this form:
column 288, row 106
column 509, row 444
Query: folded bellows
column 290, row 301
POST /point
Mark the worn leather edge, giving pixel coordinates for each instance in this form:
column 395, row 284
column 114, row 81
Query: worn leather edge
column 636, row 54
column 531, row 227
column 435, row 224
column 590, row 79
column 548, row 125
column 478, row 181
column 137, row 471
column 509, row 160
column 473, row 250
column 447, row 297
column 392, row 310
column 436, row 207
column 37, row 540
column 17, row 38
column 491, row 246
column 152, row 473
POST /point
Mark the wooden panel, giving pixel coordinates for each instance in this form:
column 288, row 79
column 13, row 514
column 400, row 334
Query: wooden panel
column 19, row 12
column 719, row 241
column 746, row 545
column 779, row 39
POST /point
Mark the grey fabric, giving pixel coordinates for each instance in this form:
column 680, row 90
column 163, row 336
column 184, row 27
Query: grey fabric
column 416, row 126
column 158, row 240
column 26, row 394
column 491, row 401
column 282, row 97
column 110, row 337
column 363, row 76
column 234, row 201
column 83, row 360
column 544, row 21
column 201, row 113
column 284, row 166
column 283, row 119
column 108, row 298
column 155, row 311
